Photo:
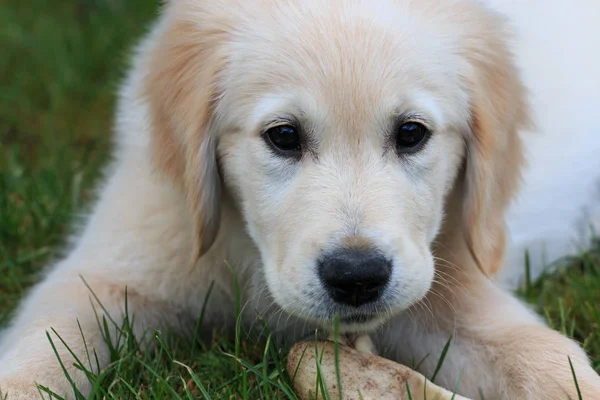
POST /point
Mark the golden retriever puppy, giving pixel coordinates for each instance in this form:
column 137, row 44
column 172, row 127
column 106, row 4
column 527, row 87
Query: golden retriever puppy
column 344, row 156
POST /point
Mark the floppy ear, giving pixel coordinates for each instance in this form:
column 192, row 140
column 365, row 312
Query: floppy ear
column 181, row 90
column 494, row 154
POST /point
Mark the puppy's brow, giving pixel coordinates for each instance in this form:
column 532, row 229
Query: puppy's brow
column 421, row 106
column 278, row 121
column 276, row 109
column 414, row 117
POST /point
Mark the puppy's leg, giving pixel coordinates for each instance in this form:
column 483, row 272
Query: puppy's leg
column 499, row 348
column 63, row 303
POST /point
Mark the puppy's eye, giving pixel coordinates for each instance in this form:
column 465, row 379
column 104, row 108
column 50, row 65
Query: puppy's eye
column 285, row 139
column 411, row 136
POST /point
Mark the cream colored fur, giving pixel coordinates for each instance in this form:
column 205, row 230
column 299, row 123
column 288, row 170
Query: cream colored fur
column 193, row 184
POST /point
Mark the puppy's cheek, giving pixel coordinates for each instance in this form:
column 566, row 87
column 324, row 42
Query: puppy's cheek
column 434, row 227
column 427, row 276
column 275, row 283
column 413, row 277
column 284, row 282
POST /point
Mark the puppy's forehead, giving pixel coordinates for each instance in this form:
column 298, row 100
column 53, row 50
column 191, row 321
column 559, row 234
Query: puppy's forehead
column 345, row 54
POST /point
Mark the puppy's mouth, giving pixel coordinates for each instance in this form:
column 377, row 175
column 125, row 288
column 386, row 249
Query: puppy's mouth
column 358, row 318
column 367, row 318
column 358, row 322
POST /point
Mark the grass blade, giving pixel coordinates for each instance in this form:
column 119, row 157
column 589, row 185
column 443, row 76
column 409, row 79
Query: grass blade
column 441, row 360
column 579, row 396
column 336, row 353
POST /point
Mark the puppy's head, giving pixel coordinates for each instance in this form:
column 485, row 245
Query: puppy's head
column 340, row 128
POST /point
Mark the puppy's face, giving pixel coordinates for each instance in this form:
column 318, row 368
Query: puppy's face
column 340, row 128
column 340, row 136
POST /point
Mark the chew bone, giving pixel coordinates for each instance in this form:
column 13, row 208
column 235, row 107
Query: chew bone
column 362, row 375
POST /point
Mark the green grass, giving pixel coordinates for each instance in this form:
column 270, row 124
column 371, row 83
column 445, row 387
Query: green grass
column 60, row 64
column 569, row 299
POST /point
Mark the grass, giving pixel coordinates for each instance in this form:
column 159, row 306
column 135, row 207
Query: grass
column 61, row 63
column 569, row 299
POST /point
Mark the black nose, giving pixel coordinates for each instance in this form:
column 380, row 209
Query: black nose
column 355, row 277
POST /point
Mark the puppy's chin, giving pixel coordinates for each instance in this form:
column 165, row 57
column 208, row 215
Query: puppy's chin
column 349, row 321
column 361, row 323
column 357, row 323
column 364, row 319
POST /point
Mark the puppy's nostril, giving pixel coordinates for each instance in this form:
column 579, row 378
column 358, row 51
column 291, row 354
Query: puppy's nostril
column 355, row 277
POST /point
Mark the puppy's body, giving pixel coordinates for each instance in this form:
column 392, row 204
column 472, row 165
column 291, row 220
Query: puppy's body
column 272, row 218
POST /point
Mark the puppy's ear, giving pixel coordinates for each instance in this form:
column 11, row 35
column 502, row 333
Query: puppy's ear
column 181, row 88
column 494, row 153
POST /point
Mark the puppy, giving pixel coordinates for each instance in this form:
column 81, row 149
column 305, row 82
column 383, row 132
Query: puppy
column 344, row 157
